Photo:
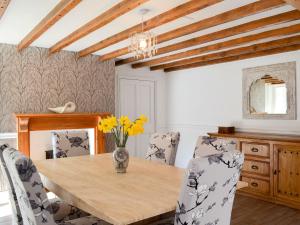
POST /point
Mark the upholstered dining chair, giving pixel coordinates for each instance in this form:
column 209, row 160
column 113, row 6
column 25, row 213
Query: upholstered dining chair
column 70, row 143
column 207, row 145
column 34, row 206
column 62, row 211
column 208, row 189
column 16, row 213
column 163, row 147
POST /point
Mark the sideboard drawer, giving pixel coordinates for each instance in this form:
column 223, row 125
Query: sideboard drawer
column 260, row 168
column 257, row 185
column 255, row 149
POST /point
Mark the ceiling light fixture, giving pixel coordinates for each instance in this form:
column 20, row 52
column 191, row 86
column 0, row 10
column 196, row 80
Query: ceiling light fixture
column 143, row 44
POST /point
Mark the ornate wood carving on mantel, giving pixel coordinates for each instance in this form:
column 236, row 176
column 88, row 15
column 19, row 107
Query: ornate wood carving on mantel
column 51, row 121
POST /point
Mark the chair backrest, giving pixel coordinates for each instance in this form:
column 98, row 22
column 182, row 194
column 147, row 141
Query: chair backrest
column 70, row 143
column 16, row 213
column 208, row 189
column 34, row 204
column 163, row 147
column 209, row 145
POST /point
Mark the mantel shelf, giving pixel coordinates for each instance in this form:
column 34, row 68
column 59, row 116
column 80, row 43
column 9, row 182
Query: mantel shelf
column 39, row 115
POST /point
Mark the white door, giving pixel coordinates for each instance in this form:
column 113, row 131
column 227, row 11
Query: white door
column 137, row 97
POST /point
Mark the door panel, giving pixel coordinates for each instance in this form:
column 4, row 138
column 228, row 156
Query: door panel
column 137, row 97
column 127, row 105
column 145, row 103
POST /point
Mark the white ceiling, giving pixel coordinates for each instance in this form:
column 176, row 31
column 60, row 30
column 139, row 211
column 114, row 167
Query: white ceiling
column 21, row 17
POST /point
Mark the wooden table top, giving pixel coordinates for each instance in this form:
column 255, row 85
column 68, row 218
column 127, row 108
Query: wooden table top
column 90, row 183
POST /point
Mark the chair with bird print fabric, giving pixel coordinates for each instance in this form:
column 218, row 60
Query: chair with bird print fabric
column 163, row 147
column 207, row 145
column 61, row 210
column 208, row 189
column 70, row 143
column 16, row 213
column 35, row 207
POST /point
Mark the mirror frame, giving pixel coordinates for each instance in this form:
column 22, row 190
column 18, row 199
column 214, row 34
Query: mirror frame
column 282, row 71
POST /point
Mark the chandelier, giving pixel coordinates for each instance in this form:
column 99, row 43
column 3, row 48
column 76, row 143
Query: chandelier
column 143, row 44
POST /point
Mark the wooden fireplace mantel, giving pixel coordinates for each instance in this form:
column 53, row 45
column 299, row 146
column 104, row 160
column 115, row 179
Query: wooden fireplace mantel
column 52, row 121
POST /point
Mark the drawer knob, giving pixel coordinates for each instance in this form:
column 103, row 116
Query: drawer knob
column 254, row 167
column 254, row 149
column 254, row 184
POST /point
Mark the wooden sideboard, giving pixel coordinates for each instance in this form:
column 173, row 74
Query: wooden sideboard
column 271, row 167
column 52, row 121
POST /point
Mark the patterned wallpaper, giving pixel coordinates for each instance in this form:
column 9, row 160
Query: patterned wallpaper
column 32, row 81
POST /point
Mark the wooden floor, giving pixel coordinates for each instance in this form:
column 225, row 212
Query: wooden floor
column 246, row 211
column 249, row 211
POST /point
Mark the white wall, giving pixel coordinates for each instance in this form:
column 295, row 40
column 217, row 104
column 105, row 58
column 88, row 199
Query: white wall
column 200, row 99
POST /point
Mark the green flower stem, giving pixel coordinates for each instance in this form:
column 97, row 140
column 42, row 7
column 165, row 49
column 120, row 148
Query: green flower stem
column 116, row 137
column 120, row 135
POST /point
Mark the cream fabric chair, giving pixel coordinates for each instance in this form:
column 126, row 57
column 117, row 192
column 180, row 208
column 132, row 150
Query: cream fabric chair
column 163, row 147
column 16, row 213
column 209, row 145
column 61, row 210
column 70, row 143
column 208, row 189
column 35, row 207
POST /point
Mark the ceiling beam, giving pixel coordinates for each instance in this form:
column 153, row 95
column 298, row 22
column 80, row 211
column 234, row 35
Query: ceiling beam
column 240, row 29
column 3, row 6
column 59, row 11
column 236, row 58
column 233, row 52
column 170, row 15
column 295, row 3
column 108, row 16
column 222, row 18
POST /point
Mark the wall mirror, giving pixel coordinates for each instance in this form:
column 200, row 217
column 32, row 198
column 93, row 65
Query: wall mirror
column 269, row 92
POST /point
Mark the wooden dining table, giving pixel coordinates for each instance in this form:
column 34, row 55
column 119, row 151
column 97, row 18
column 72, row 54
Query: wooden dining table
column 147, row 191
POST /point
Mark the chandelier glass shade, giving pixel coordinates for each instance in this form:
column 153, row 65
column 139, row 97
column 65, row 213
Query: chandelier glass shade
column 143, row 44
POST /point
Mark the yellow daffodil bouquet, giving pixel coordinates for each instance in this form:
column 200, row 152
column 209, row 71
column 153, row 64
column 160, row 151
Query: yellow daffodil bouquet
column 122, row 128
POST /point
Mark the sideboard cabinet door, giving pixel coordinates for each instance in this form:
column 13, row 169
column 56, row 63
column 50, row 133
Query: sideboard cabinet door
column 287, row 172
